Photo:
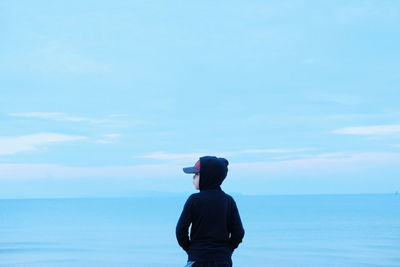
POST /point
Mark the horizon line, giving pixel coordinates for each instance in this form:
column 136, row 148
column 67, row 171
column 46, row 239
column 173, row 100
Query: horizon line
column 169, row 194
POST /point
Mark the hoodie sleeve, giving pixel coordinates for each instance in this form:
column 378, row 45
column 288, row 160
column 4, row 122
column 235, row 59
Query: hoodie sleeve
column 237, row 231
column 182, row 227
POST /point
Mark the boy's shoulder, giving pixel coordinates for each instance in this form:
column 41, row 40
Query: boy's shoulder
column 202, row 194
column 194, row 196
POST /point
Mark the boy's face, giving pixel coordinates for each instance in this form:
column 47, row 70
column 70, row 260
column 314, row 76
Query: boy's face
column 196, row 180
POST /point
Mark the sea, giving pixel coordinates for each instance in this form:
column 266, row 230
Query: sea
column 284, row 230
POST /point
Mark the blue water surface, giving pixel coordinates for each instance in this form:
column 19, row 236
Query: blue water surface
column 313, row 230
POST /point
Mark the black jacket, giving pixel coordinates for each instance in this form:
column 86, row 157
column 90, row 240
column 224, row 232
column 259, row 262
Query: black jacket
column 216, row 226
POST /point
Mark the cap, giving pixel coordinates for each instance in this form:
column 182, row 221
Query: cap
column 194, row 169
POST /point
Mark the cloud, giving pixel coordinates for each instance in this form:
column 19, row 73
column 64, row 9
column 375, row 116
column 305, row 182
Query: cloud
column 58, row 171
column 172, row 156
column 370, row 130
column 320, row 162
column 301, row 164
column 57, row 116
column 296, row 150
column 108, row 138
column 17, row 144
column 190, row 156
column 113, row 120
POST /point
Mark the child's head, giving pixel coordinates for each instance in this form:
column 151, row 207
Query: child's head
column 212, row 172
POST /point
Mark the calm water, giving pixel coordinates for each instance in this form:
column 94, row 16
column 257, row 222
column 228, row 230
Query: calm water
column 335, row 230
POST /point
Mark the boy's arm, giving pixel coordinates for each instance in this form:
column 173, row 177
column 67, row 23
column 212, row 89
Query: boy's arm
column 237, row 231
column 182, row 227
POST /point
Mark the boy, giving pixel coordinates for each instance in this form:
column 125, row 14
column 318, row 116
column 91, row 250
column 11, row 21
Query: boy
column 216, row 226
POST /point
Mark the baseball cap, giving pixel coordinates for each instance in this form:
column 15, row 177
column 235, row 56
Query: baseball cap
column 194, row 169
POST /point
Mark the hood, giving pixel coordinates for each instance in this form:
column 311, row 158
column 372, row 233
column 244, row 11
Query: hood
column 213, row 171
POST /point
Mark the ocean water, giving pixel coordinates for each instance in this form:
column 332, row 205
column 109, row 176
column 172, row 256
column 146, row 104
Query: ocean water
column 314, row 230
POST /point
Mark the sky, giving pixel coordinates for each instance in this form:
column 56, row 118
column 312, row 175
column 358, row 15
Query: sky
column 113, row 98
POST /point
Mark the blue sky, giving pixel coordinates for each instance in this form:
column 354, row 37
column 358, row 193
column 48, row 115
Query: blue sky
column 113, row 98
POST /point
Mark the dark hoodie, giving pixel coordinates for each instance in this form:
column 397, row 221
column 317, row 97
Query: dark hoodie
column 216, row 226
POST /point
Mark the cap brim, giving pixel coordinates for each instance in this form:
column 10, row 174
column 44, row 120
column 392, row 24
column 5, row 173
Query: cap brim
column 190, row 170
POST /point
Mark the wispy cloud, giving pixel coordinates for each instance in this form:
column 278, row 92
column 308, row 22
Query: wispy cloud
column 112, row 120
column 299, row 164
column 171, row 156
column 190, row 156
column 57, row 116
column 16, row 144
column 370, row 130
column 108, row 138
column 296, row 150
column 319, row 162
column 239, row 170
column 59, row 171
